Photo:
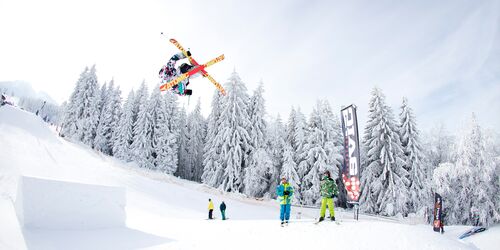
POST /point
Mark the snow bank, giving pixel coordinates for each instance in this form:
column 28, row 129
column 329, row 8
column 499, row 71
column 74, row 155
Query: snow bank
column 29, row 123
column 51, row 204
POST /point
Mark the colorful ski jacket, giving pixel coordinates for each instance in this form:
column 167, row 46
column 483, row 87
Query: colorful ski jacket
column 210, row 205
column 282, row 197
column 328, row 187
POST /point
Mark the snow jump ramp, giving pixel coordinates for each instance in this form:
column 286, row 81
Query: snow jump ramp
column 52, row 204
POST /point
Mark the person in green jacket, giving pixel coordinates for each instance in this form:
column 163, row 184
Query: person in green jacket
column 328, row 191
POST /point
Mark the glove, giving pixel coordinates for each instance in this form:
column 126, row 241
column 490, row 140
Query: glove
column 286, row 193
column 188, row 53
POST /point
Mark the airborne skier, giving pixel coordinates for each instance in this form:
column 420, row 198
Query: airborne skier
column 178, row 78
column 169, row 72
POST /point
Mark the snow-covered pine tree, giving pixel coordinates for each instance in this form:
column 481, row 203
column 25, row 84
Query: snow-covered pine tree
column 289, row 170
column 299, row 141
column 194, row 144
column 323, row 150
column 259, row 162
column 157, row 111
column 415, row 163
column 115, row 110
column 384, row 181
column 141, row 147
column 476, row 184
column 275, row 146
column 104, row 129
column 314, row 158
column 123, row 135
column 74, row 109
column 234, row 122
column 290, row 128
column 91, row 99
column 183, row 168
column 168, row 146
column 212, row 164
column 439, row 147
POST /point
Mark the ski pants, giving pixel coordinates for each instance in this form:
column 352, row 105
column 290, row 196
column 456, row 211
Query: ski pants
column 285, row 212
column 223, row 213
column 324, row 202
column 210, row 213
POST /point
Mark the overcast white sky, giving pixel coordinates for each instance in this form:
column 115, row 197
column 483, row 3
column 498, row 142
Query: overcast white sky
column 444, row 56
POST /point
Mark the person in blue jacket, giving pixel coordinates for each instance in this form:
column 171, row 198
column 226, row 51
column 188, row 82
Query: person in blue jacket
column 284, row 191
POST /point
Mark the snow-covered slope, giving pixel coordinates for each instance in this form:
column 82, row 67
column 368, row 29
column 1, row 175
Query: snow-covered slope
column 164, row 212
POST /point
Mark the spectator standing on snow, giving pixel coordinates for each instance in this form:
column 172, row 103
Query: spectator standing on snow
column 328, row 191
column 223, row 210
column 284, row 192
column 210, row 208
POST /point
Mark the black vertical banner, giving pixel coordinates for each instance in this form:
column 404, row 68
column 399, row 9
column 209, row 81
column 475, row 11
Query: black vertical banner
column 438, row 209
column 351, row 166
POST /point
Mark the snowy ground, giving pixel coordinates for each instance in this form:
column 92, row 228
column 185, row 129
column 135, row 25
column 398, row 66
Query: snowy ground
column 163, row 212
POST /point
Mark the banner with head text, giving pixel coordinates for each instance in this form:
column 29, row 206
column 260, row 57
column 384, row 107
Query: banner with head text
column 351, row 166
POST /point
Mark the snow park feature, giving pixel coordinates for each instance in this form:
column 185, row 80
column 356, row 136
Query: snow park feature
column 51, row 204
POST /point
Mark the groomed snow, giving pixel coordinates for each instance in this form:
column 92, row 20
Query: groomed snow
column 164, row 212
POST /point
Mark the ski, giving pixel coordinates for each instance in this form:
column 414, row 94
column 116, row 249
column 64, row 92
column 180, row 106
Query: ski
column 197, row 69
column 318, row 221
column 194, row 63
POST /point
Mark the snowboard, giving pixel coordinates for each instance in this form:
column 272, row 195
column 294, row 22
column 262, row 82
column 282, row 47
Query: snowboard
column 472, row 231
column 194, row 63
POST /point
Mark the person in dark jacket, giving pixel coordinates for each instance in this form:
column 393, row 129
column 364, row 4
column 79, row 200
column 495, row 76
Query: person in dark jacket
column 223, row 210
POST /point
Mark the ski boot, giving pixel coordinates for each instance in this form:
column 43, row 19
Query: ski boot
column 333, row 218
column 321, row 219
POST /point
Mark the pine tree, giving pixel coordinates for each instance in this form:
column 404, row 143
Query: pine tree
column 275, row 146
column 74, row 109
column 183, row 169
column 289, row 171
column 91, row 101
column 123, row 135
column 323, row 148
column 384, row 181
column 194, row 145
column 234, row 122
column 141, row 147
column 255, row 182
column 415, row 165
column 110, row 99
column 157, row 111
column 167, row 146
column 476, row 184
column 259, row 161
column 212, row 164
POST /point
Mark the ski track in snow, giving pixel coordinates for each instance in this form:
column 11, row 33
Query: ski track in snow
column 165, row 212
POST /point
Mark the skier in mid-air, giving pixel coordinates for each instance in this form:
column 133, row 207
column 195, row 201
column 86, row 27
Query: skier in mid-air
column 169, row 72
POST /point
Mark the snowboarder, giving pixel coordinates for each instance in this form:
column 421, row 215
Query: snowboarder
column 169, row 72
column 223, row 210
column 284, row 192
column 328, row 191
column 210, row 208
